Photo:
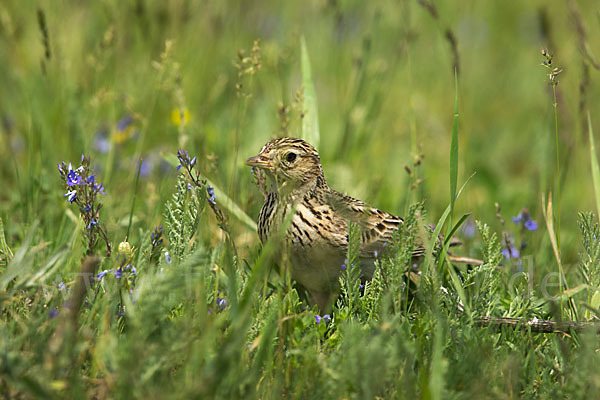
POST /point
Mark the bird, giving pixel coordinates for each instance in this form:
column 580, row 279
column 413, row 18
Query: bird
column 316, row 239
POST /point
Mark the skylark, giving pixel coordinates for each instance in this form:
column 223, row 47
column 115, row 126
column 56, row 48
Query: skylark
column 317, row 236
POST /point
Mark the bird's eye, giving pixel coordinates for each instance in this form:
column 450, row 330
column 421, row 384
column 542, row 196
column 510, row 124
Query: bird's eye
column 291, row 157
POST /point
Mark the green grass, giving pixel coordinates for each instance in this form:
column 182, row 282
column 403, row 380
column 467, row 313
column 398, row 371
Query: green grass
column 373, row 85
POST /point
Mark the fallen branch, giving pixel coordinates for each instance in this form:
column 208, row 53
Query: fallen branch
column 539, row 325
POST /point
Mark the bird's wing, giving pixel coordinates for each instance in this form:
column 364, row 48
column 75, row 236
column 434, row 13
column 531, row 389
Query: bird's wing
column 377, row 227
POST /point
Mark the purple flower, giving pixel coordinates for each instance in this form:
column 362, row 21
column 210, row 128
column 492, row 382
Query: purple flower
column 530, row 225
column 53, row 313
column 71, row 195
column 326, row 318
column 73, row 178
column 102, row 274
column 92, row 223
column 99, row 188
column 62, row 286
column 510, row 252
column 318, row 318
column 184, row 159
column 118, row 272
column 211, row 194
column 222, row 303
column 525, row 218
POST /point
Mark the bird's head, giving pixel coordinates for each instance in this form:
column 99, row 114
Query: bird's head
column 288, row 162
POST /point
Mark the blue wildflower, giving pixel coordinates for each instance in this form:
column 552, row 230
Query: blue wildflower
column 99, row 188
column 510, row 252
column 318, row 318
column 326, row 317
column 222, row 303
column 92, row 223
column 62, row 286
column 102, row 274
column 184, row 158
column 53, row 313
column 71, row 195
column 73, row 178
column 530, row 225
column 211, row 194
column 525, row 218
column 118, row 272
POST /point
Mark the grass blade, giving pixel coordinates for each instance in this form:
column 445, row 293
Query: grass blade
column 310, row 122
column 594, row 164
column 454, row 148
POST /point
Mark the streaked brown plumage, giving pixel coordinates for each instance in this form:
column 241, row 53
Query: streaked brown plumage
column 318, row 232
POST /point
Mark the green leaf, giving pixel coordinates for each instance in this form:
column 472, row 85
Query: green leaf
column 595, row 303
column 310, row 122
column 594, row 164
column 455, row 227
column 454, row 148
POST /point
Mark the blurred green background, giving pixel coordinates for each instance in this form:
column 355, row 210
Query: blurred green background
column 104, row 85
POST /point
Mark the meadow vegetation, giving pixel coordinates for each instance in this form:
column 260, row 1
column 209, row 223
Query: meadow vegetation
column 133, row 269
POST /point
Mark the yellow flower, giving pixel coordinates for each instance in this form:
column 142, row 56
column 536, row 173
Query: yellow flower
column 180, row 116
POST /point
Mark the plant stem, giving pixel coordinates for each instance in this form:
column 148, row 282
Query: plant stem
column 555, row 105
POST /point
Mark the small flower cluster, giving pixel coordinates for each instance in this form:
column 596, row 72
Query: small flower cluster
column 325, row 318
column 127, row 271
column 525, row 220
column 82, row 189
column 345, row 264
column 157, row 244
column 188, row 164
column 211, row 195
column 220, row 302
column 509, row 250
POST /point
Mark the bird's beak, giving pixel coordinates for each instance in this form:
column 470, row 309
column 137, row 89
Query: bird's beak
column 259, row 161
